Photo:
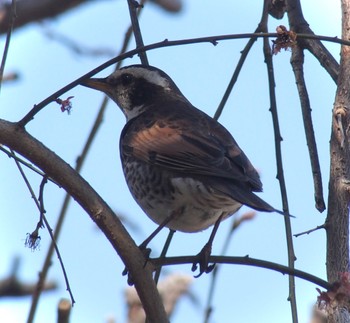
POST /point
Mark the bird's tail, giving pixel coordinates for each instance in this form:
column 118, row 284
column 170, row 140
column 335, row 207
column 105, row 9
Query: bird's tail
column 248, row 198
column 256, row 203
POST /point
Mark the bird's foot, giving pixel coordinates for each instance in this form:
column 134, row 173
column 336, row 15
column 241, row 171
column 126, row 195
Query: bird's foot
column 146, row 253
column 202, row 259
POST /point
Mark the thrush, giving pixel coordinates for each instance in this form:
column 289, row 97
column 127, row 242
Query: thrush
column 183, row 168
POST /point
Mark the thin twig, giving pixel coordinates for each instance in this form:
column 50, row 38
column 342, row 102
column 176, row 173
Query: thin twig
column 23, row 162
column 49, row 229
column 165, row 43
column 170, row 261
column 41, row 198
column 134, row 7
column 323, row 226
column 208, row 309
column 43, row 218
column 244, row 54
column 280, row 176
column 297, row 62
column 26, row 181
column 8, row 39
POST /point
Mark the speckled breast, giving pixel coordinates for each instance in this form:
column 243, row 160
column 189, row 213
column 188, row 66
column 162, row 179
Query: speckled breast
column 193, row 205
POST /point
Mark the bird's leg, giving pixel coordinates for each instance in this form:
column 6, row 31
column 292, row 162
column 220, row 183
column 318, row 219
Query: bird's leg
column 202, row 259
column 163, row 254
column 147, row 251
column 144, row 244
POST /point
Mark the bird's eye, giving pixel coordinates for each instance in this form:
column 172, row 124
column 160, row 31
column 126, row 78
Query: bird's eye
column 126, row 79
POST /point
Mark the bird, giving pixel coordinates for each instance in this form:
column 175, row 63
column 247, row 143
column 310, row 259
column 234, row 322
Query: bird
column 183, row 168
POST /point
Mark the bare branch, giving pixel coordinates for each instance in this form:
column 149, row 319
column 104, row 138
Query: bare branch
column 337, row 221
column 247, row 261
column 19, row 140
column 280, row 174
column 323, row 226
column 34, row 238
column 299, row 25
column 234, row 78
column 297, row 62
column 134, row 7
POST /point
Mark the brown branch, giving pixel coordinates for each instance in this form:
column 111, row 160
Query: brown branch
column 280, row 175
column 298, row 24
column 338, row 200
column 323, row 226
column 134, row 8
column 247, row 261
column 20, row 141
column 297, row 62
column 337, row 222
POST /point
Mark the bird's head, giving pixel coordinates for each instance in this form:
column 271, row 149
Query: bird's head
column 136, row 88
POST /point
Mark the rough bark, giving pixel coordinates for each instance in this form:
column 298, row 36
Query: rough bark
column 337, row 222
column 23, row 143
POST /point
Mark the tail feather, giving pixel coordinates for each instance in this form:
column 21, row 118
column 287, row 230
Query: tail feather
column 248, row 198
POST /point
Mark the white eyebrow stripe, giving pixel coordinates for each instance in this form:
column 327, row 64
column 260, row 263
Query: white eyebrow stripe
column 151, row 76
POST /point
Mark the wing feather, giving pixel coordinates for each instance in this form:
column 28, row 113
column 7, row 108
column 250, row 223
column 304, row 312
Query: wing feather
column 208, row 150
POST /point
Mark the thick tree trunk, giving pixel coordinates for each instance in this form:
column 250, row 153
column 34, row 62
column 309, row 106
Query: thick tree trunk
column 339, row 183
column 337, row 223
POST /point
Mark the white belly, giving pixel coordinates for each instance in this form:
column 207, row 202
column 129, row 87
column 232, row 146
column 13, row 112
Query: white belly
column 194, row 207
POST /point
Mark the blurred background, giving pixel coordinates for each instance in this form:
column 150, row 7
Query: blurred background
column 45, row 63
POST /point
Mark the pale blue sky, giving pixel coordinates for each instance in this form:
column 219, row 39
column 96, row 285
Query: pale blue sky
column 201, row 72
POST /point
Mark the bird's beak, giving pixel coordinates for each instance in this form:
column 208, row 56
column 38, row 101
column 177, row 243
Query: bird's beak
column 96, row 84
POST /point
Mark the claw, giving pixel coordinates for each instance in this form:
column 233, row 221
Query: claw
column 202, row 259
column 146, row 253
